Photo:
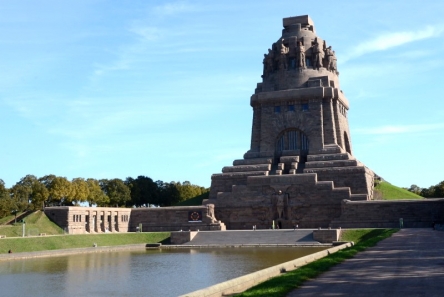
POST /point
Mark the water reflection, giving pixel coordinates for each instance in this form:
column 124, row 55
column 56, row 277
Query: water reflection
column 137, row 273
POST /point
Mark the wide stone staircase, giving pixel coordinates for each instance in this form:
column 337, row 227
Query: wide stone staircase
column 254, row 237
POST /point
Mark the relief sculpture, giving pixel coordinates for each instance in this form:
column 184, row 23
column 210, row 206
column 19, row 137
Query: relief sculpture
column 317, row 54
column 280, row 205
column 283, row 63
column 300, row 55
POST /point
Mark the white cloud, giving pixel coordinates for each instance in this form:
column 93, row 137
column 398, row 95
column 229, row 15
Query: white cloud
column 400, row 129
column 390, row 40
column 147, row 33
column 173, row 8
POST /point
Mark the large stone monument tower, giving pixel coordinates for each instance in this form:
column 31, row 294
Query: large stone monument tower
column 300, row 165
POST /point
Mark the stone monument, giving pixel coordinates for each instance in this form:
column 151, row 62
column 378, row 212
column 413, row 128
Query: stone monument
column 300, row 165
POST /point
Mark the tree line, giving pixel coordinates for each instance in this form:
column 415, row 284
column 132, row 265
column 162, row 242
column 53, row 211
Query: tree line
column 32, row 193
column 436, row 191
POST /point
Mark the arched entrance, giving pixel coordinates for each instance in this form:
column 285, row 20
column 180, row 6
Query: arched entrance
column 295, row 143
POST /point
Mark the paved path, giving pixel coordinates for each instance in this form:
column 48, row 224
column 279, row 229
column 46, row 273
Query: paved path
column 410, row 263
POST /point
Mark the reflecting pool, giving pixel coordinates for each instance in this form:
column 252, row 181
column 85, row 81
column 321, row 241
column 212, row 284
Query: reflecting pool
column 166, row 272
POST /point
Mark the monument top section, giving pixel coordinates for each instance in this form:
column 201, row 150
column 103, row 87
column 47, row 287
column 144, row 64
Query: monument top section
column 299, row 59
column 304, row 20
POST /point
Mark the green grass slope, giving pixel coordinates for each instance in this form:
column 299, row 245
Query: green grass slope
column 36, row 223
column 44, row 243
column 387, row 191
column 195, row 201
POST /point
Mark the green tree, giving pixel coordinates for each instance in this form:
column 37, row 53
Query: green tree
column 5, row 200
column 95, row 193
column 30, row 192
column 80, row 190
column 188, row 190
column 415, row 189
column 60, row 190
column 168, row 194
column 144, row 191
column 116, row 190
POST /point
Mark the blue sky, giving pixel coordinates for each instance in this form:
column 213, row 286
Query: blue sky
column 108, row 89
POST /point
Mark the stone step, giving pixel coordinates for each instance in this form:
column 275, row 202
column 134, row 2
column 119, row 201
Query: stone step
column 247, row 237
column 335, row 163
column 289, row 159
column 238, row 174
column 329, row 157
column 246, row 168
column 252, row 161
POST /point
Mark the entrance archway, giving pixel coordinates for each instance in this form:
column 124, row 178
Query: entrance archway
column 294, row 141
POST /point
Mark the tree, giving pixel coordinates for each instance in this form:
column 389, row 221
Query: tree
column 60, row 189
column 116, row 190
column 415, row 189
column 5, row 201
column 144, row 190
column 30, row 192
column 188, row 190
column 168, row 194
column 95, row 193
column 80, row 190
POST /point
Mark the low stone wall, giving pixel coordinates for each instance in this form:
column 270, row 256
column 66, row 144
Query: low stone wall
column 182, row 237
column 240, row 284
column 387, row 214
column 183, row 218
column 326, row 235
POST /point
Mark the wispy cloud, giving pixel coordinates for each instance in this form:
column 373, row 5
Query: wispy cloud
column 399, row 129
column 389, row 40
column 173, row 8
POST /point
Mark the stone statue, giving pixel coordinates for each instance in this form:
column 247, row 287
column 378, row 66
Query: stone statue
column 280, row 202
column 268, row 62
column 300, row 55
column 283, row 63
column 334, row 66
column 210, row 212
column 329, row 58
column 316, row 54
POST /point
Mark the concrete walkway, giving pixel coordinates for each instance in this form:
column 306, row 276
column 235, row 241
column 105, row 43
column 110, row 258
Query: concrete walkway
column 410, row 263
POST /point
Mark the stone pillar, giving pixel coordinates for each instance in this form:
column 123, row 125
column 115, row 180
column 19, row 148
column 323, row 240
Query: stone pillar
column 111, row 221
column 329, row 122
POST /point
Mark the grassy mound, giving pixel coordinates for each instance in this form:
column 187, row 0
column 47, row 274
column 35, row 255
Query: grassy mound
column 32, row 244
column 387, row 191
column 36, row 223
column 195, row 201
column 280, row 286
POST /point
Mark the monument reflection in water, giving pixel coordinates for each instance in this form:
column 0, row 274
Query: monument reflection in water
column 138, row 273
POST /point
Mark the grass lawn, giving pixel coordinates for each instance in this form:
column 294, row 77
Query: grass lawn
column 32, row 244
column 390, row 192
column 280, row 286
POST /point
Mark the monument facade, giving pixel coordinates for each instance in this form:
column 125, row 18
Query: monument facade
column 300, row 165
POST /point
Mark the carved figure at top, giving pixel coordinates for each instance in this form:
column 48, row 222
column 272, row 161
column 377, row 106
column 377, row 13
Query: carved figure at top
column 268, row 62
column 300, row 55
column 334, row 67
column 316, row 54
column 283, row 63
column 329, row 59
